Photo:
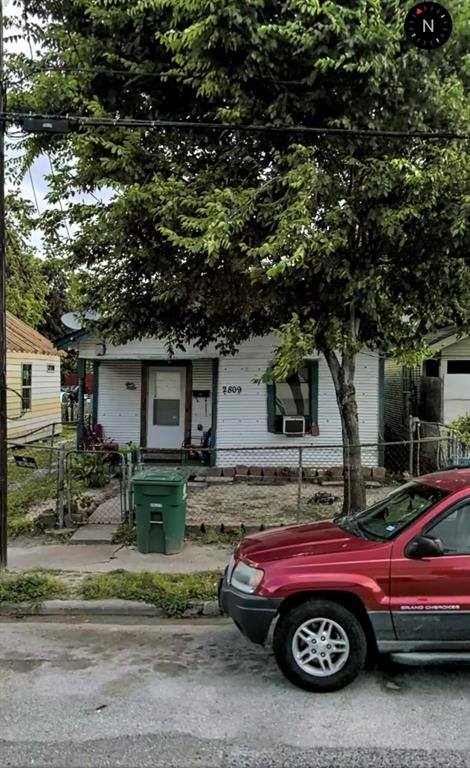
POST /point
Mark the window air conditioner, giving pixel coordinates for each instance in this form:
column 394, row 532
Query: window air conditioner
column 293, row 425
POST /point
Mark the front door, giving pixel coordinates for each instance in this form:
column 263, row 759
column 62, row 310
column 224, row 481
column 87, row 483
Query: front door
column 430, row 596
column 166, row 407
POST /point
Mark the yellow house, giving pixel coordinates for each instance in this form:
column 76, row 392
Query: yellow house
column 33, row 382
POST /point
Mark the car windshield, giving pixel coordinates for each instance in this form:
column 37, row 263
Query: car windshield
column 384, row 520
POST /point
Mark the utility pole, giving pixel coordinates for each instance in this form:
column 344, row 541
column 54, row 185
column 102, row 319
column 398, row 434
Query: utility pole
column 3, row 330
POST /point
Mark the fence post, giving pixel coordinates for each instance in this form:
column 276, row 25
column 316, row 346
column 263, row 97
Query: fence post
column 411, row 445
column 51, row 449
column 60, row 487
column 299, row 485
column 128, row 491
column 418, row 449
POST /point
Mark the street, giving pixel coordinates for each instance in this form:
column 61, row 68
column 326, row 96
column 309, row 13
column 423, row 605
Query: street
column 197, row 694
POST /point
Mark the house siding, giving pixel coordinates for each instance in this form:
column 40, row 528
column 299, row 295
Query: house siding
column 201, row 411
column 456, row 400
column 45, row 403
column 461, row 349
column 144, row 349
column 118, row 409
column 241, row 415
column 394, row 411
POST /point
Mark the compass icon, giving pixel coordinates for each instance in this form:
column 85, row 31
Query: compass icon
column 428, row 25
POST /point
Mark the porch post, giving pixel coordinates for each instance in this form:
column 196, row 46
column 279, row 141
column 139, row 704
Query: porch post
column 81, row 401
column 96, row 373
column 215, row 386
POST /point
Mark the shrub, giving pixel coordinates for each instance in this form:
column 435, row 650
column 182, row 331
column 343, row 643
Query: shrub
column 124, row 535
column 461, row 427
column 92, row 469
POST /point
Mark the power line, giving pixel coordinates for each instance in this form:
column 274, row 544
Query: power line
column 70, row 122
column 34, row 191
column 111, row 71
column 60, row 200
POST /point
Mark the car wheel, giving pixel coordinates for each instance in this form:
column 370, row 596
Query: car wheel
column 319, row 645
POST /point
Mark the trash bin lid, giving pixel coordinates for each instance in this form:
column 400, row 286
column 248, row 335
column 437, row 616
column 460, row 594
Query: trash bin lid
column 161, row 476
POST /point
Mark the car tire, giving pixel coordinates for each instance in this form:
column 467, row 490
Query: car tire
column 297, row 641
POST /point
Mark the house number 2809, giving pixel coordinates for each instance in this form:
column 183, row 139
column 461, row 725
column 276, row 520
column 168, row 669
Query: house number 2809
column 231, row 390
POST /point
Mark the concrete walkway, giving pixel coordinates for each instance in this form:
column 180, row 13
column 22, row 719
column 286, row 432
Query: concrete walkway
column 102, row 558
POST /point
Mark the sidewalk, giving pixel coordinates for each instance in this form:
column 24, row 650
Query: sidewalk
column 102, row 558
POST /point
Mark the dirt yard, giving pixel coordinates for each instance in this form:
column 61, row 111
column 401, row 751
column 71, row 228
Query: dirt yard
column 256, row 504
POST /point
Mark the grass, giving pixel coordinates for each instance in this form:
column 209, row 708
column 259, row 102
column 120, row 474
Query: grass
column 171, row 592
column 30, row 587
column 217, row 536
column 35, row 489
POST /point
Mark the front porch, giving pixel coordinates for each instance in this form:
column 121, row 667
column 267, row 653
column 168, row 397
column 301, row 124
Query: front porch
column 168, row 408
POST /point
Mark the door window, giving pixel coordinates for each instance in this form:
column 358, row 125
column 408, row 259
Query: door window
column 166, row 399
column 454, row 531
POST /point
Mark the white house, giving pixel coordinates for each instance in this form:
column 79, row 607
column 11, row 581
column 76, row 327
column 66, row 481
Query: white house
column 141, row 395
column 33, row 381
column 438, row 391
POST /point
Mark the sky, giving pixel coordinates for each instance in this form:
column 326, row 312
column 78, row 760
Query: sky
column 34, row 186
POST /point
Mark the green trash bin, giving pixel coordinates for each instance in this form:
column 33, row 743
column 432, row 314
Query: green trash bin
column 160, row 509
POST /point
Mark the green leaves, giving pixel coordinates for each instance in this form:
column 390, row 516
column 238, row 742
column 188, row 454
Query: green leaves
column 215, row 236
column 26, row 285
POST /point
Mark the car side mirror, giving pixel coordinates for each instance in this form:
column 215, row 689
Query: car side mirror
column 424, row 546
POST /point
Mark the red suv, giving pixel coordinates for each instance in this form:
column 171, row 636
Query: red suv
column 394, row 578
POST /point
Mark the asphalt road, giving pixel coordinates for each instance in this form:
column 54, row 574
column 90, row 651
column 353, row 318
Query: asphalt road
column 200, row 695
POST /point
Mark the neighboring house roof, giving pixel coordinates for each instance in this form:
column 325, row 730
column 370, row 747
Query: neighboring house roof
column 442, row 335
column 443, row 338
column 22, row 338
column 69, row 341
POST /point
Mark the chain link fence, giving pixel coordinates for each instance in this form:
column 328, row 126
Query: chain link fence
column 34, row 479
column 234, row 487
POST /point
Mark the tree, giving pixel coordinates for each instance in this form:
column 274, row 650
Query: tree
column 339, row 243
column 56, row 273
column 26, row 287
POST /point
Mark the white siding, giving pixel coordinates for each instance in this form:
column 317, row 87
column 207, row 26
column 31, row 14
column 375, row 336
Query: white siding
column 461, row 349
column 242, row 418
column 201, row 411
column 119, row 407
column 45, row 397
column 146, row 349
column 456, row 385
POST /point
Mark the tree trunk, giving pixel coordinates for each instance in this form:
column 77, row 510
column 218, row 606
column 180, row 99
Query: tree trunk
column 343, row 378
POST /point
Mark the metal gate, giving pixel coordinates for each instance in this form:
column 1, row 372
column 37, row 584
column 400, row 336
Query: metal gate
column 96, row 487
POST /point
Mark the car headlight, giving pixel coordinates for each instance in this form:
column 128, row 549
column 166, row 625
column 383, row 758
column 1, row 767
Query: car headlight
column 230, row 567
column 246, row 578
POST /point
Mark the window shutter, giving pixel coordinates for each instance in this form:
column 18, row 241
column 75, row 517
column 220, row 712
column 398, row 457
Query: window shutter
column 271, row 397
column 312, row 366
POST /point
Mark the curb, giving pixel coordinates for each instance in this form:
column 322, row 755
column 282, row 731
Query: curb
column 115, row 607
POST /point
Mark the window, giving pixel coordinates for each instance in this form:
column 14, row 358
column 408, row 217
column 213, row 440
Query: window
column 431, row 367
column 26, row 386
column 50, row 368
column 167, row 398
column 297, row 396
column 458, row 366
column 384, row 520
column 454, row 530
